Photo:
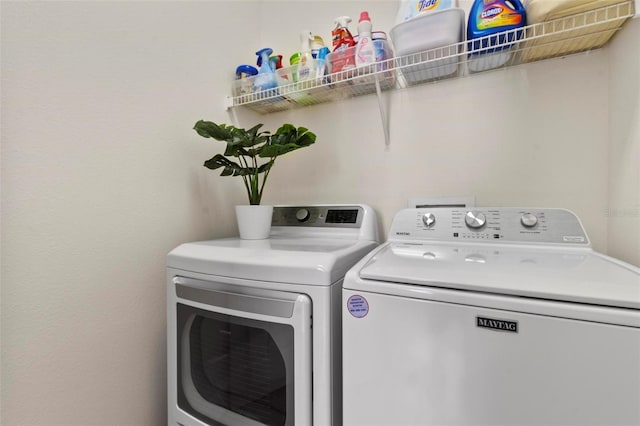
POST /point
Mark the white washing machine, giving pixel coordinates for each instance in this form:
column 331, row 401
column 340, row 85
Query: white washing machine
column 499, row 316
column 254, row 326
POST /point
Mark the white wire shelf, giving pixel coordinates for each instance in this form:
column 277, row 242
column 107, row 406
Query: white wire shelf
column 573, row 34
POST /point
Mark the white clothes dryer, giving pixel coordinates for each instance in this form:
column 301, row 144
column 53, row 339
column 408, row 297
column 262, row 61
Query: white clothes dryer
column 497, row 316
column 253, row 326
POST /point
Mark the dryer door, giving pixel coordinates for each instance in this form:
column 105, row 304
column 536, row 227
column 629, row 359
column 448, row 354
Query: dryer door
column 243, row 355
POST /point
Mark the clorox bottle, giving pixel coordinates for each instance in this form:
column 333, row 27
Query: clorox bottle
column 488, row 17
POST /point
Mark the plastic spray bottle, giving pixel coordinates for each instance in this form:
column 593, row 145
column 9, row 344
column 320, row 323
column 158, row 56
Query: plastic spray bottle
column 266, row 78
column 321, row 62
column 305, row 65
column 276, row 62
column 365, row 52
column 343, row 56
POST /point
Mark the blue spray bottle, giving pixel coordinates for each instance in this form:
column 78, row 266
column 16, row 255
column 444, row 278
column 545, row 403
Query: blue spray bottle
column 266, row 78
column 321, row 62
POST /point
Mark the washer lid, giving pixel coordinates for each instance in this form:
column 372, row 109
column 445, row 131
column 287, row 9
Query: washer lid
column 298, row 260
column 578, row 275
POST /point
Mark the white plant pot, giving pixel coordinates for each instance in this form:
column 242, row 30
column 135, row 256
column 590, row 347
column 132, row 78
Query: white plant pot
column 254, row 222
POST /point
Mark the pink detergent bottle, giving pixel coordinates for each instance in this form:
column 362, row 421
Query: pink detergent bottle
column 365, row 52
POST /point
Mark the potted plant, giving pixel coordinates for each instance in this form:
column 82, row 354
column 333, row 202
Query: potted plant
column 251, row 154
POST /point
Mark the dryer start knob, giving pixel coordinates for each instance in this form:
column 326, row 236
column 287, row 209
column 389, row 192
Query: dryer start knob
column 475, row 219
column 302, row 215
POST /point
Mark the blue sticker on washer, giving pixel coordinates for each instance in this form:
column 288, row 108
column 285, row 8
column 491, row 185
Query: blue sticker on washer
column 357, row 306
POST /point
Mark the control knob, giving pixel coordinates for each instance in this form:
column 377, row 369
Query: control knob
column 529, row 220
column 302, row 215
column 475, row 219
column 429, row 219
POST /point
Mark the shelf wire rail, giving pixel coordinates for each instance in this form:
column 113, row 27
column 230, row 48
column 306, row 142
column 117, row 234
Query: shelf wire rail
column 560, row 37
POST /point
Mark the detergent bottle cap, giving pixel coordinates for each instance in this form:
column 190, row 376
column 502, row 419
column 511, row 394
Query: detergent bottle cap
column 294, row 59
column 364, row 25
column 364, row 16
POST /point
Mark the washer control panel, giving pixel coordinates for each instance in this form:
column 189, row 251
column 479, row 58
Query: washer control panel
column 489, row 224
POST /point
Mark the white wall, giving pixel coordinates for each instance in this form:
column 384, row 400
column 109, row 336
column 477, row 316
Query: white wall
column 102, row 175
column 530, row 146
column 624, row 146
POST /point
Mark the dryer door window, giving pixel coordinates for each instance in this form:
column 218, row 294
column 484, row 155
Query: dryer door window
column 238, row 365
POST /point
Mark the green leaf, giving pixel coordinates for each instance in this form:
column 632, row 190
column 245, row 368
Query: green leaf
column 246, row 171
column 249, row 141
column 288, row 139
column 231, row 168
column 253, row 132
column 228, row 171
column 209, row 129
column 265, row 167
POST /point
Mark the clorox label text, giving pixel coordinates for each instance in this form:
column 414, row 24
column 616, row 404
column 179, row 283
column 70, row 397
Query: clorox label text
column 491, row 12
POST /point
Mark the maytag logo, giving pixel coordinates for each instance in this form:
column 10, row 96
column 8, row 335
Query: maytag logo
column 403, row 233
column 496, row 324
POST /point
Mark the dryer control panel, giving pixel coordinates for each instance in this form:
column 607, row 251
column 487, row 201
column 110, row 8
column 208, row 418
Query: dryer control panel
column 341, row 216
column 489, row 224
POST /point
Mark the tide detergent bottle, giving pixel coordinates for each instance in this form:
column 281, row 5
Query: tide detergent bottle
column 489, row 17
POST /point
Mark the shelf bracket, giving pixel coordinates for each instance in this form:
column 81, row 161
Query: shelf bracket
column 383, row 113
column 228, row 102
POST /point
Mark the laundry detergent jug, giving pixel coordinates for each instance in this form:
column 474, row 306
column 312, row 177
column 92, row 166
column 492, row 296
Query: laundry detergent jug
column 489, row 17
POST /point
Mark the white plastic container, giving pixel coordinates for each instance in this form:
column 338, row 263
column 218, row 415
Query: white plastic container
column 426, row 41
